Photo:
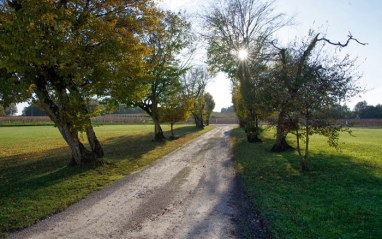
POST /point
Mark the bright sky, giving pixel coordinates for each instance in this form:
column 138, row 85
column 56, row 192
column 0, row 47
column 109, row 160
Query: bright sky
column 361, row 17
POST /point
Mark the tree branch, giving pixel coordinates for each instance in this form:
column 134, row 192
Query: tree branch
column 350, row 37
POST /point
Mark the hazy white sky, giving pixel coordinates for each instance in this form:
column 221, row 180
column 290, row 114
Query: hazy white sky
column 362, row 18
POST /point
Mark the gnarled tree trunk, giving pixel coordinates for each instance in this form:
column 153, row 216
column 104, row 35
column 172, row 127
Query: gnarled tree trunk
column 152, row 111
column 198, row 121
column 93, row 141
column 281, row 145
column 80, row 155
column 252, row 128
column 159, row 136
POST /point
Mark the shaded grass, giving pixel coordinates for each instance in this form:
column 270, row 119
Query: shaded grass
column 340, row 198
column 35, row 181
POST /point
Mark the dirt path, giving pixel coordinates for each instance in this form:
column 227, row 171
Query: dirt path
column 191, row 193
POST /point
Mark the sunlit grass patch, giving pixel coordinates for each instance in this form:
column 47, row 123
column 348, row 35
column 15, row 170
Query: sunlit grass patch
column 340, row 198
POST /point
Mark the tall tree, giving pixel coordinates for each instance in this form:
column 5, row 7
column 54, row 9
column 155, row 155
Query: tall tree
column 286, row 82
column 378, row 109
column 282, row 89
column 167, row 40
column 62, row 53
column 202, row 109
column 359, row 108
column 210, row 105
column 198, row 112
column 320, row 81
column 238, row 44
column 194, row 84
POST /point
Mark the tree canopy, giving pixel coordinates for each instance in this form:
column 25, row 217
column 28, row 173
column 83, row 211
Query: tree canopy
column 169, row 37
column 239, row 36
column 295, row 88
column 62, row 53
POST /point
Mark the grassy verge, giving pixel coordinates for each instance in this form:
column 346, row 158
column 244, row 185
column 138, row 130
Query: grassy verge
column 340, row 198
column 35, row 181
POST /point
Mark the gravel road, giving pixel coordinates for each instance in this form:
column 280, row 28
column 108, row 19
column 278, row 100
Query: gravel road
column 191, row 193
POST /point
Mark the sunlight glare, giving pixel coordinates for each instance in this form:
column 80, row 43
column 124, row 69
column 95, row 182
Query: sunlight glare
column 243, row 54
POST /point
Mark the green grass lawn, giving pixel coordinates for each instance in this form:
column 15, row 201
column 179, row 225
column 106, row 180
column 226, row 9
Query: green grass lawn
column 341, row 197
column 35, row 181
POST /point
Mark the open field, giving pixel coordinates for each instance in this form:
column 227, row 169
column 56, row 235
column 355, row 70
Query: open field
column 340, row 198
column 36, row 182
column 216, row 118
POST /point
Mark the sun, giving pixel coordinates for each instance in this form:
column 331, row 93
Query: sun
column 242, row 54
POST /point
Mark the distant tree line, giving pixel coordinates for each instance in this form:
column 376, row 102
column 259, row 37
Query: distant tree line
column 123, row 109
column 33, row 110
column 364, row 111
column 360, row 111
column 229, row 109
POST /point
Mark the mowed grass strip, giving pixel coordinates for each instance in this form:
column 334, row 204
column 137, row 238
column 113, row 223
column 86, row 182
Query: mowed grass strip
column 35, row 181
column 341, row 197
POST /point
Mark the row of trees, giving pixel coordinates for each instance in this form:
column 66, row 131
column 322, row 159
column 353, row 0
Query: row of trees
column 294, row 87
column 65, row 55
column 364, row 111
column 361, row 111
column 229, row 109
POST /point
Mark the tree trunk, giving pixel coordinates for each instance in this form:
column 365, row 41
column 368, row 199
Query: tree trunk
column 201, row 122
column 172, row 130
column 304, row 165
column 93, row 141
column 303, row 161
column 152, row 110
column 198, row 121
column 241, row 122
column 281, row 145
column 80, row 155
column 159, row 136
column 253, row 138
column 252, row 128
